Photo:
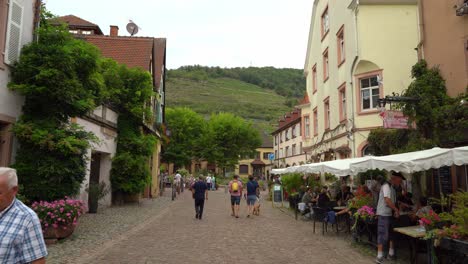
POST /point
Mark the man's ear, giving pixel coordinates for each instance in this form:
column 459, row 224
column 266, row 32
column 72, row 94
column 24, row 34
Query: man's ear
column 15, row 190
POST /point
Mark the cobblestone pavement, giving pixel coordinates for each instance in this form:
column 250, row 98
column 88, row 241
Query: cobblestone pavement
column 175, row 236
column 108, row 224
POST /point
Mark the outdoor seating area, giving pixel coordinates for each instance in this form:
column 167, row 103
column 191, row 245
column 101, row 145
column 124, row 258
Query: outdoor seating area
column 432, row 201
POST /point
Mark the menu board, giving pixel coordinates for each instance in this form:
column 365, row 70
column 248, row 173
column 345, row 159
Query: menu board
column 444, row 176
column 277, row 193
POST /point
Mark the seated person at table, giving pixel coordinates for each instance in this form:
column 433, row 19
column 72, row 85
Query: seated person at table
column 323, row 200
column 344, row 195
column 423, row 208
column 307, row 197
column 363, row 190
column 404, row 202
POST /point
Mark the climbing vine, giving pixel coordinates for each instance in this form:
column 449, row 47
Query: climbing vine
column 59, row 79
column 440, row 120
column 130, row 90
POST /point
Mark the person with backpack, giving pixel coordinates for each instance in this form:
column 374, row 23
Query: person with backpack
column 252, row 191
column 235, row 189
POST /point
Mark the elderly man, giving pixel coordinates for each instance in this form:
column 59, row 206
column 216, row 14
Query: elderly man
column 21, row 239
column 386, row 210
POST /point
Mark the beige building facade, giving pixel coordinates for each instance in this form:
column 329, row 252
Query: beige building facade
column 358, row 52
column 287, row 140
column 444, row 40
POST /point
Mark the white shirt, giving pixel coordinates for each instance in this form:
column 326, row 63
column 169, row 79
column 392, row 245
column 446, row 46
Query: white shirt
column 208, row 179
column 177, row 177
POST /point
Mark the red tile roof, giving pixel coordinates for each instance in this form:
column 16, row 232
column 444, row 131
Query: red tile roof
column 131, row 51
column 75, row 22
column 288, row 120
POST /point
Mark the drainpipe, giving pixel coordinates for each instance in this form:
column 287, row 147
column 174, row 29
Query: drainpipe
column 37, row 19
column 420, row 47
column 356, row 58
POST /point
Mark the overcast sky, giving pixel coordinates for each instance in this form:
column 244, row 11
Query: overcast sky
column 226, row 33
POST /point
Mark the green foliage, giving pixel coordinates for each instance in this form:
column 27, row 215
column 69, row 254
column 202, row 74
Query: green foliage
column 130, row 89
column 440, row 120
column 98, row 190
column 249, row 101
column 370, row 174
column 187, row 127
column 459, row 215
column 286, row 82
column 292, row 182
column 130, row 171
column 59, row 78
column 183, row 172
column 58, row 75
column 227, row 138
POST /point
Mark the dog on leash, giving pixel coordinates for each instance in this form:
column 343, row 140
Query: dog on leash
column 256, row 209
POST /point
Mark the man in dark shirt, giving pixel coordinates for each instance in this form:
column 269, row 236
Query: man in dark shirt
column 200, row 193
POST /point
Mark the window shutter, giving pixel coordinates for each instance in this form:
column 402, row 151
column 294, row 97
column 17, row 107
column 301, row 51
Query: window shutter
column 13, row 37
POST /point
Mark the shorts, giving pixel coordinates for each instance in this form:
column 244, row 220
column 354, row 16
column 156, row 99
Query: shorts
column 251, row 199
column 235, row 200
column 384, row 230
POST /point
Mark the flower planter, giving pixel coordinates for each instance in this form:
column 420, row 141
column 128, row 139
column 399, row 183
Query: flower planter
column 60, row 232
column 459, row 246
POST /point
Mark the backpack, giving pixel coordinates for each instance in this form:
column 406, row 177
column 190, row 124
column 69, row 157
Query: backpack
column 235, row 186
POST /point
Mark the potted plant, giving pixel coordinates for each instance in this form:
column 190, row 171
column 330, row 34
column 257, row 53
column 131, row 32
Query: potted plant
column 96, row 192
column 58, row 218
column 455, row 236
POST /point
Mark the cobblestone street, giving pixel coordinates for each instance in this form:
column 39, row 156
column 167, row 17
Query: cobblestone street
column 173, row 235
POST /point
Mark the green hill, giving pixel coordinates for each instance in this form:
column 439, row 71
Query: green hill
column 206, row 94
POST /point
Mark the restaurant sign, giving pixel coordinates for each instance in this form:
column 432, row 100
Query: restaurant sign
column 394, row 119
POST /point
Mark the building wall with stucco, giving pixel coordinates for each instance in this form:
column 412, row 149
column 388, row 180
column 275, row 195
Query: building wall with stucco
column 444, row 42
column 248, row 162
column 379, row 40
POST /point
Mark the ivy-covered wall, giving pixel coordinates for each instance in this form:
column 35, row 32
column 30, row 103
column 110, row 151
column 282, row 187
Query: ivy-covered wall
column 61, row 77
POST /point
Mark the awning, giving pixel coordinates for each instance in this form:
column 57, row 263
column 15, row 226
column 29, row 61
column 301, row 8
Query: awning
column 336, row 167
column 406, row 162
column 410, row 162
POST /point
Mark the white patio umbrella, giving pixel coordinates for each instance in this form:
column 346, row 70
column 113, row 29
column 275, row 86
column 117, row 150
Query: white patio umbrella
column 278, row 171
column 460, row 155
column 409, row 162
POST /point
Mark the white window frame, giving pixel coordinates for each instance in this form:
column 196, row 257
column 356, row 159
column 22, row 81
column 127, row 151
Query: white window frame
column 370, row 89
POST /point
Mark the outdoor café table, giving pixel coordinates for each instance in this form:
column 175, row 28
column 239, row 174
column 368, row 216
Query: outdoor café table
column 416, row 233
column 341, row 218
column 339, row 208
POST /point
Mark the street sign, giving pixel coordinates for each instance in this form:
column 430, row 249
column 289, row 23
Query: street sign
column 271, row 156
column 394, row 119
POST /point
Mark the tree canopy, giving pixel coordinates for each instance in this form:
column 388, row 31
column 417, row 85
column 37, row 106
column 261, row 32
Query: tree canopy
column 187, row 128
column 227, row 138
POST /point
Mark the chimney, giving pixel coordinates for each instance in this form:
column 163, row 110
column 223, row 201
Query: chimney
column 114, row 31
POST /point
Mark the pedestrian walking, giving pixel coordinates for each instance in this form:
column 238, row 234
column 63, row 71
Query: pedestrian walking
column 177, row 181
column 200, row 194
column 21, row 239
column 208, row 182
column 235, row 189
column 252, row 192
column 213, row 183
column 386, row 211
